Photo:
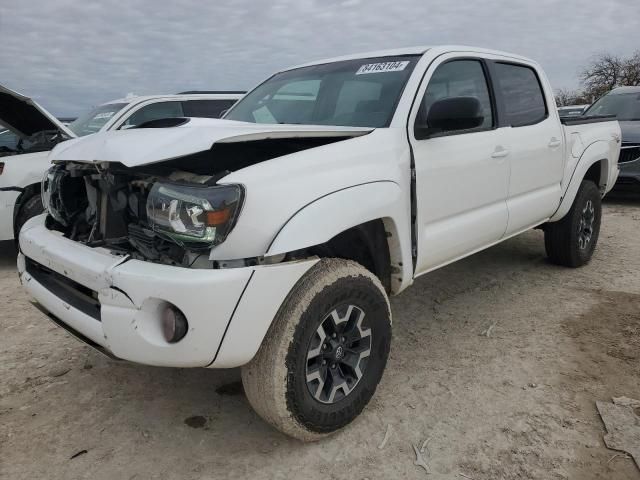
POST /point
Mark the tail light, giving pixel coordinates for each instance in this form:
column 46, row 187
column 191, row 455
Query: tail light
column 1, row 167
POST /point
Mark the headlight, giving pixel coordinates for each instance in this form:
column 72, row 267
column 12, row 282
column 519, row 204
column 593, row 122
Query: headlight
column 197, row 214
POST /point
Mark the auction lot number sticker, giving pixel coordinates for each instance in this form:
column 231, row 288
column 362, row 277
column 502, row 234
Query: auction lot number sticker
column 382, row 67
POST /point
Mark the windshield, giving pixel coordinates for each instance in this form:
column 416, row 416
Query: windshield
column 354, row 93
column 625, row 106
column 95, row 119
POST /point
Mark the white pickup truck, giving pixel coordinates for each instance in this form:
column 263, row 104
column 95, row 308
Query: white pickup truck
column 271, row 240
column 34, row 131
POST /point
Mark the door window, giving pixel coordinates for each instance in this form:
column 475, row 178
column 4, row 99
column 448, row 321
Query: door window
column 522, row 97
column 206, row 108
column 459, row 78
column 155, row 111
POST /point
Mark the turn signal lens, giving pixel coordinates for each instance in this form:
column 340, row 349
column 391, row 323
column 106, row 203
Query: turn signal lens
column 217, row 217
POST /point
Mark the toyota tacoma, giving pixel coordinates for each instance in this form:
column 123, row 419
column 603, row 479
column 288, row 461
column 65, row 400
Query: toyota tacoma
column 271, row 239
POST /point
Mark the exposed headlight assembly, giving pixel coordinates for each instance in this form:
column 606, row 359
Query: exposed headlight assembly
column 194, row 214
column 63, row 196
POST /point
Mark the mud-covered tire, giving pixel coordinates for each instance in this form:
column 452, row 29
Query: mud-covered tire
column 27, row 209
column 276, row 381
column 571, row 241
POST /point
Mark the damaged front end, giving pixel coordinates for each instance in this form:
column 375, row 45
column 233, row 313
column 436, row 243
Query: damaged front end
column 151, row 213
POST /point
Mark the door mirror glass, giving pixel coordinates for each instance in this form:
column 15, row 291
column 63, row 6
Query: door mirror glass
column 448, row 115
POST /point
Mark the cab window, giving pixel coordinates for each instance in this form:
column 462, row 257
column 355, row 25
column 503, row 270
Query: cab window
column 459, row 78
column 521, row 92
column 154, row 111
column 206, row 108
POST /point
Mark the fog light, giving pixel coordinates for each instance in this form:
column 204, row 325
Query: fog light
column 174, row 324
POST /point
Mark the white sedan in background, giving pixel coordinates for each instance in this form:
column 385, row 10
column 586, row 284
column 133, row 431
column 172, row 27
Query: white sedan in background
column 28, row 132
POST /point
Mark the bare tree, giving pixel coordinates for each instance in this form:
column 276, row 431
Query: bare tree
column 607, row 71
column 601, row 75
column 566, row 97
column 631, row 70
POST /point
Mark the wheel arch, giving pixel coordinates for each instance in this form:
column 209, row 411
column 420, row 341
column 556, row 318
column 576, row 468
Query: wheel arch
column 366, row 223
column 27, row 192
column 594, row 165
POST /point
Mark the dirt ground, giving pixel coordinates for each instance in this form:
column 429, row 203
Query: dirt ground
column 519, row 404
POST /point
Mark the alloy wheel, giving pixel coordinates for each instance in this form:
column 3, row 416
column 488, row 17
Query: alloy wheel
column 337, row 355
column 585, row 225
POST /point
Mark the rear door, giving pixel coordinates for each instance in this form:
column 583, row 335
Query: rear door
column 462, row 176
column 534, row 136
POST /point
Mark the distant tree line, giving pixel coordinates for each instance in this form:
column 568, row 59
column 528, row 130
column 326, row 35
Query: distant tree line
column 603, row 73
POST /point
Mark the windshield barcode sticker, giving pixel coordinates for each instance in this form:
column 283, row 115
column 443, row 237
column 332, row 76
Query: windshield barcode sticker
column 382, row 67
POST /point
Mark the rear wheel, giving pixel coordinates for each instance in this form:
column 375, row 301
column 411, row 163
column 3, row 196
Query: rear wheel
column 572, row 240
column 325, row 352
column 30, row 208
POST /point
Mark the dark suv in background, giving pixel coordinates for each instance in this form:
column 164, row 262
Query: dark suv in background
column 624, row 103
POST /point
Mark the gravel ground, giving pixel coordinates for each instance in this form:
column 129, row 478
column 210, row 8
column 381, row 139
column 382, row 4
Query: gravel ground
column 517, row 404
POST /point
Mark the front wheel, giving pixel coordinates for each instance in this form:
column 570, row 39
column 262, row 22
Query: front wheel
column 325, row 352
column 572, row 240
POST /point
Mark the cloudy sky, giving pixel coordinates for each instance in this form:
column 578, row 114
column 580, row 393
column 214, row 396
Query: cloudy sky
column 71, row 55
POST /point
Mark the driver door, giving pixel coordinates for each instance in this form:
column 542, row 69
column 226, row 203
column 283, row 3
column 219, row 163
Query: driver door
column 462, row 176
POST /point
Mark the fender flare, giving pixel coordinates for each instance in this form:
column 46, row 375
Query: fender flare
column 594, row 153
column 327, row 216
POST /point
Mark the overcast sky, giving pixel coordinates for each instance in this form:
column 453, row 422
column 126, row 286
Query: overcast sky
column 71, row 55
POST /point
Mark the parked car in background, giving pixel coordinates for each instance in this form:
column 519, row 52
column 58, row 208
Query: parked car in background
column 30, row 132
column 271, row 240
column 624, row 103
column 572, row 110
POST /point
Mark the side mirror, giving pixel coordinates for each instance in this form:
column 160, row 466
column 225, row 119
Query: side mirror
column 449, row 114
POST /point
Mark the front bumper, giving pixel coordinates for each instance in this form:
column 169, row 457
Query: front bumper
column 229, row 310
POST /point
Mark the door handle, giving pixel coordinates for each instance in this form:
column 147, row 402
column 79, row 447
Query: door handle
column 554, row 142
column 500, row 152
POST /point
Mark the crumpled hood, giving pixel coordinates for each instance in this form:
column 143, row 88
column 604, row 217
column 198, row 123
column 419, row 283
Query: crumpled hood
column 142, row 146
column 630, row 131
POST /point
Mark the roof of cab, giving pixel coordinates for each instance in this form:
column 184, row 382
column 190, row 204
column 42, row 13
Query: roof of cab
column 417, row 50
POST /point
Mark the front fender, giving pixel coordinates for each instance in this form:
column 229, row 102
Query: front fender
column 327, row 216
column 596, row 152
